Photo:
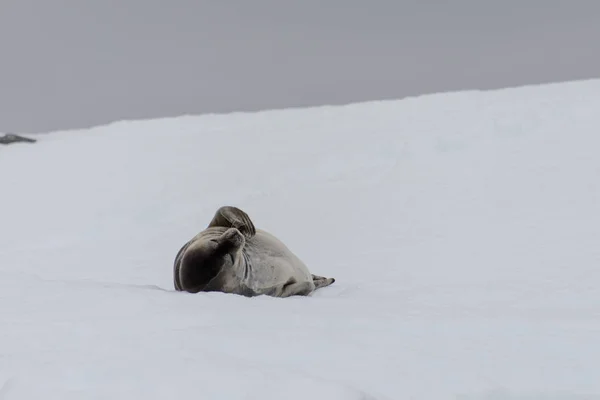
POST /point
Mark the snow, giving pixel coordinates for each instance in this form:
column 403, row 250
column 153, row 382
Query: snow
column 463, row 231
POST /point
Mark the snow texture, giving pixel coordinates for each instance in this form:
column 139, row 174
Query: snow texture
column 463, row 230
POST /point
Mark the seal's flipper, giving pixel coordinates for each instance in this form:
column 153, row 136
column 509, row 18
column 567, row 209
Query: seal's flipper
column 233, row 217
column 322, row 282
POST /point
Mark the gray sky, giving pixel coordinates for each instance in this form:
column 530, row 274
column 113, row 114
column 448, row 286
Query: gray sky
column 77, row 63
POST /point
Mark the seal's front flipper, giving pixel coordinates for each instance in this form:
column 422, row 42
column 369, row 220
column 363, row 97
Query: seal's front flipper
column 233, row 217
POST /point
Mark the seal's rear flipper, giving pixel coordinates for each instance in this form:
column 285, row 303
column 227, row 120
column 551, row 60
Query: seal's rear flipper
column 233, row 217
column 321, row 282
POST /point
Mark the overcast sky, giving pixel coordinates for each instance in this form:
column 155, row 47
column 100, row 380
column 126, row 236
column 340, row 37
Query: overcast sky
column 77, row 63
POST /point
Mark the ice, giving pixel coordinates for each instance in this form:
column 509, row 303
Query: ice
column 463, row 231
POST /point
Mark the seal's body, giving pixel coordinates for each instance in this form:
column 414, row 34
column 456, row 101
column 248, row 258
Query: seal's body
column 231, row 256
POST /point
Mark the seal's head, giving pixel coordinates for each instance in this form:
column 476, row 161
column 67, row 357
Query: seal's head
column 203, row 261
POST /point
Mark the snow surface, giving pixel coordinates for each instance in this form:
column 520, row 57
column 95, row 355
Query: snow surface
column 463, row 230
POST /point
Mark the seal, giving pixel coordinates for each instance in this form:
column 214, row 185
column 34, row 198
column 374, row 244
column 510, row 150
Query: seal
column 232, row 256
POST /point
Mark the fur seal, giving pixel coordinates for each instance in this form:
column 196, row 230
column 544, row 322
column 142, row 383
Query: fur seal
column 232, row 256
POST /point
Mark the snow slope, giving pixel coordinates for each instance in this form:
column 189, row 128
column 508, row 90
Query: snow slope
column 463, row 230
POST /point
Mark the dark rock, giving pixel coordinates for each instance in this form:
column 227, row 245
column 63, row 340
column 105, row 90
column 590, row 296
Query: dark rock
column 11, row 138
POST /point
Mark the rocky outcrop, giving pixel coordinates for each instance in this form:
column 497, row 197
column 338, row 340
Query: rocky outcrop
column 11, row 138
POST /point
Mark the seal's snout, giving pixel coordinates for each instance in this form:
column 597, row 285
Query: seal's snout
column 234, row 237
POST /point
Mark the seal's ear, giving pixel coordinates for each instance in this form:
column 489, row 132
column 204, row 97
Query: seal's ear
column 233, row 217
